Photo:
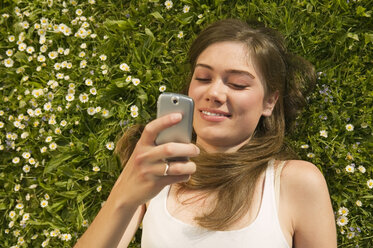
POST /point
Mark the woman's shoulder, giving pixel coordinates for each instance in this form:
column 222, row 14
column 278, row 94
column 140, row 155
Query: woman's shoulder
column 302, row 180
column 301, row 172
column 302, row 183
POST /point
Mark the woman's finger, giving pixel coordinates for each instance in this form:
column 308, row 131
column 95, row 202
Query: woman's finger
column 179, row 168
column 170, row 150
column 162, row 168
column 153, row 128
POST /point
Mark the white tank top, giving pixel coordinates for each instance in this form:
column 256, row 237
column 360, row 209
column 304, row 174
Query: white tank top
column 161, row 230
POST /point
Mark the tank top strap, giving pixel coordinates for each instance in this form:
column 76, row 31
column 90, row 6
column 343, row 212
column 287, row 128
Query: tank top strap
column 266, row 207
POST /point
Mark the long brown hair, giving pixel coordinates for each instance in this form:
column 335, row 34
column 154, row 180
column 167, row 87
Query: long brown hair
column 232, row 177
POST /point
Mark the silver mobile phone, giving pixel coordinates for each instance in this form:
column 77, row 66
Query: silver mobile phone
column 176, row 103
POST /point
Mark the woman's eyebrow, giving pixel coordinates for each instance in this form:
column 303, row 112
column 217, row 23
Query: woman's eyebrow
column 232, row 71
column 241, row 72
column 205, row 66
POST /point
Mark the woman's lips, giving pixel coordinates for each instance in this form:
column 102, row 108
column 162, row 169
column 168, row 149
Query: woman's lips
column 214, row 115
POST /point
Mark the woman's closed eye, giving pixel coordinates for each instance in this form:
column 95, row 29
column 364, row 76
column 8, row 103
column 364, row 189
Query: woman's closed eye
column 203, row 79
column 237, row 86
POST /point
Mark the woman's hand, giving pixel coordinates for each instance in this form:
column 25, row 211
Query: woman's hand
column 143, row 176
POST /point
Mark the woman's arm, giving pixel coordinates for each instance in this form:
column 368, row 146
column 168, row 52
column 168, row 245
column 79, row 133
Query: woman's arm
column 141, row 179
column 110, row 225
column 307, row 198
column 132, row 227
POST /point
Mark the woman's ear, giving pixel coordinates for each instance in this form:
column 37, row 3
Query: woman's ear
column 269, row 104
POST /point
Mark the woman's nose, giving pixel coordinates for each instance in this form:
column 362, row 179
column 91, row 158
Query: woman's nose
column 217, row 92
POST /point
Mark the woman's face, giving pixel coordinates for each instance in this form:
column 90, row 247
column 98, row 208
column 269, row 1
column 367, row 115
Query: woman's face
column 229, row 97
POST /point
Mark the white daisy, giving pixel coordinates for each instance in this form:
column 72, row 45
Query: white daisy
column 60, row 50
column 350, row 168
column 11, row 38
column 43, row 48
column 85, row 223
column 60, row 75
column 9, row 52
column 162, row 88
column 52, row 121
column 136, row 81
column 41, row 32
column 180, row 35
column 134, row 108
column 26, row 216
column 37, row 112
column 30, row 49
column 83, row 98
column 70, row 97
column 47, row 106
column 42, row 39
column 343, row 211
column 93, row 91
column 65, row 237
column 17, row 187
column 53, row 54
column 45, row 243
column 186, row 9
column 12, row 214
column 96, row 168
column 81, row 54
column 26, row 155
column 53, row 146
column 361, row 169
column 19, row 206
column 31, row 161
column 88, row 82
column 350, row 235
column 8, row 62
column 324, row 133
column 25, row 25
column 83, row 63
column 91, row 111
column 79, row 12
column 41, row 58
column 105, row 113
column 124, row 67
column 22, row 47
column 168, row 4
column 24, row 135
column 370, row 183
column 110, row 146
column 342, row 220
column 349, row 127
column 43, row 203
column 311, row 155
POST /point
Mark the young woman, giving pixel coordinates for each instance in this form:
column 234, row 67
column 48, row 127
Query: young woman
column 241, row 187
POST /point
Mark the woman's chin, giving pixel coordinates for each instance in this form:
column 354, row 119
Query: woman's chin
column 220, row 143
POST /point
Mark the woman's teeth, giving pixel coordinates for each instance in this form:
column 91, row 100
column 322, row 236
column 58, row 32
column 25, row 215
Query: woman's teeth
column 212, row 114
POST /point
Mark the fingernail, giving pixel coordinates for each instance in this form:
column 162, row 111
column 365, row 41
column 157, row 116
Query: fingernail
column 176, row 116
column 198, row 150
